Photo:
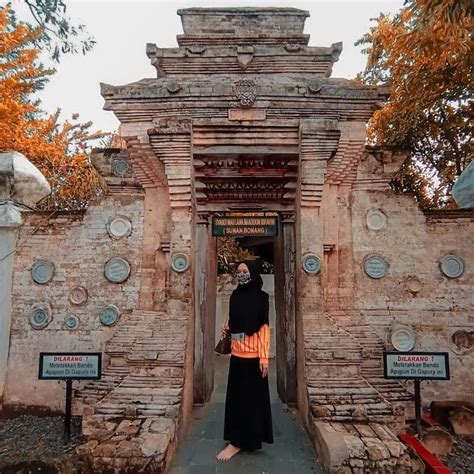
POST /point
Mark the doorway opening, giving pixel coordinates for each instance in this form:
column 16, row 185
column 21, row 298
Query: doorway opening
column 230, row 250
column 214, row 283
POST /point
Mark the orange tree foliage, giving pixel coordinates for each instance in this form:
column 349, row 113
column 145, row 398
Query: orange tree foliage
column 59, row 151
column 424, row 54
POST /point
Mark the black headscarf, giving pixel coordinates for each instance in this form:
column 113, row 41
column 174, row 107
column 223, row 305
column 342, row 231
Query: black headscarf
column 248, row 306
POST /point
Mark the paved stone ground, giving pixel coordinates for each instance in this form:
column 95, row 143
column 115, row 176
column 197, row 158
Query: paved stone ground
column 291, row 452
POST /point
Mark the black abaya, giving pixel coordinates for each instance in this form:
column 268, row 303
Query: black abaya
column 248, row 417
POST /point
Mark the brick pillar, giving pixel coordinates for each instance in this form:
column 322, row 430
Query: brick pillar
column 338, row 280
column 318, row 142
column 171, row 141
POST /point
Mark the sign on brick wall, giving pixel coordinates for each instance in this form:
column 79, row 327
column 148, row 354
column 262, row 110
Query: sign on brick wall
column 70, row 365
column 416, row 365
column 245, row 225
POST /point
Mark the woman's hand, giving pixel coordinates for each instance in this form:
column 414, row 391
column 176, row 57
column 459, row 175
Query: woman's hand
column 264, row 369
column 225, row 329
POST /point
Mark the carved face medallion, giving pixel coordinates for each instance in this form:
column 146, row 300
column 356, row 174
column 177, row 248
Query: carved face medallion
column 246, row 92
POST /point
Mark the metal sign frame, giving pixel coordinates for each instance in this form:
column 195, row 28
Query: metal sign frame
column 250, row 215
column 416, row 377
column 74, row 376
column 69, row 380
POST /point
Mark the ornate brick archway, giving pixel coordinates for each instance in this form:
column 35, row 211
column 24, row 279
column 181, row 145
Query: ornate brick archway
column 244, row 115
column 252, row 167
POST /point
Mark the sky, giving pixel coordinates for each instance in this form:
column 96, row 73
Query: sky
column 123, row 28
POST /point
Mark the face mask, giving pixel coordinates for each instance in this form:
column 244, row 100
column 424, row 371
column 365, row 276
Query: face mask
column 243, row 278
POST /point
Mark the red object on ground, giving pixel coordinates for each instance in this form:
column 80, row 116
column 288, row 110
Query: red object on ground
column 433, row 464
column 427, row 418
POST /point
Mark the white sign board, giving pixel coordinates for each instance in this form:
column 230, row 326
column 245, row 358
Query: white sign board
column 416, row 365
column 70, row 365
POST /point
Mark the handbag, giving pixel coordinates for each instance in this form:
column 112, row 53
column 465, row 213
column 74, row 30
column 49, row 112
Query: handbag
column 224, row 345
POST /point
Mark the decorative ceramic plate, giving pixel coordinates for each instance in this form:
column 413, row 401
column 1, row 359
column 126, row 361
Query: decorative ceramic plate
column 117, row 270
column 42, row 271
column 311, row 264
column 110, row 315
column 403, row 339
column 78, row 295
column 375, row 266
column 376, row 220
column 180, row 262
column 452, row 266
column 40, row 315
column 119, row 227
column 120, row 166
column 414, row 284
column 71, row 322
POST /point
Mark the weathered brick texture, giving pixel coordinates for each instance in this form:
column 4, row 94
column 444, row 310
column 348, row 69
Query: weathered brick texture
column 78, row 245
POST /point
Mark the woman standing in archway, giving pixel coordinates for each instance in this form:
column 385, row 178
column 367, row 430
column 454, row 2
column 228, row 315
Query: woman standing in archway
column 248, row 418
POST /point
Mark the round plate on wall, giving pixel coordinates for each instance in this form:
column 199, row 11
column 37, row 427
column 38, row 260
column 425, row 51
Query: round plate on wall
column 120, row 166
column 180, row 262
column 78, row 295
column 71, row 322
column 311, row 264
column 462, row 342
column 117, row 270
column 110, row 315
column 403, row 339
column 119, row 227
column 40, row 315
column 376, row 219
column 42, row 271
column 414, row 284
column 452, row 266
column 375, row 266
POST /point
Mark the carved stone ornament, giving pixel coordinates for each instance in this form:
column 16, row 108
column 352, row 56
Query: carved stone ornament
column 376, row 219
column 78, row 295
column 109, row 316
column 195, row 49
column 42, row 271
column 119, row 227
column 375, row 266
column 71, row 322
column 173, row 87
column 314, row 86
column 292, row 47
column 245, row 55
column 180, row 262
column 120, row 166
column 452, row 266
column 246, row 92
column 403, row 338
column 311, row 264
column 40, row 315
column 117, row 270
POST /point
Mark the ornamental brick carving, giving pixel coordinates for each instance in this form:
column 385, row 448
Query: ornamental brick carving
column 246, row 92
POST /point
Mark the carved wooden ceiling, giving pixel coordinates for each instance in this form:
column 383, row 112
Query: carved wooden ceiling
column 253, row 175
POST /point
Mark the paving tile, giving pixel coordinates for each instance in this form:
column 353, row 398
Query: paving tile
column 204, row 452
column 233, row 466
column 202, row 469
column 178, row 470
